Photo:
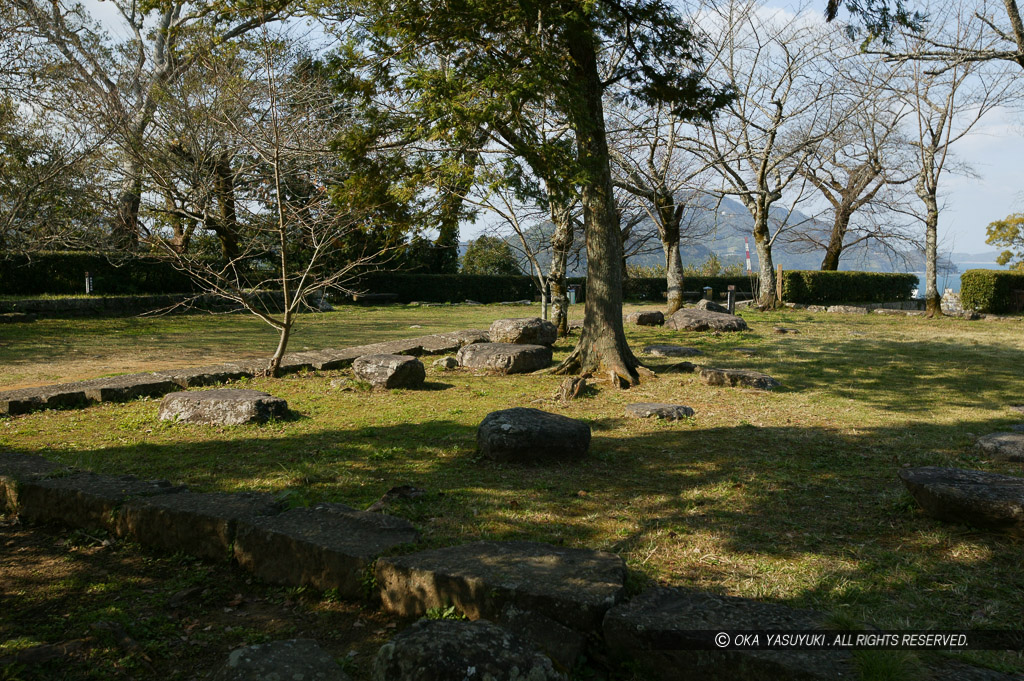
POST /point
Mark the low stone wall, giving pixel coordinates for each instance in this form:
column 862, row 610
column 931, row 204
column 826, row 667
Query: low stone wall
column 159, row 383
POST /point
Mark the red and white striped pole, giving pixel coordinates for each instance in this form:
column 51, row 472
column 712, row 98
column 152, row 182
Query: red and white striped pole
column 746, row 240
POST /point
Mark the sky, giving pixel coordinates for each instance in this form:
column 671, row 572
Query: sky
column 994, row 150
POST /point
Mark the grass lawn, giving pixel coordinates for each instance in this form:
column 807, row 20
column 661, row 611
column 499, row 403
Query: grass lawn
column 788, row 496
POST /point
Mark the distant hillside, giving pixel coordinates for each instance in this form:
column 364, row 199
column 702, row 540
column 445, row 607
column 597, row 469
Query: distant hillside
column 724, row 231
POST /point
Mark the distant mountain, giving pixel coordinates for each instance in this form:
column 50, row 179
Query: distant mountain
column 724, row 226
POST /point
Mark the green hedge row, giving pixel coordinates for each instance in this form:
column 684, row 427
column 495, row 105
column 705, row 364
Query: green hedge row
column 814, row 287
column 654, row 288
column 447, row 288
column 64, row 273
column 992, row 290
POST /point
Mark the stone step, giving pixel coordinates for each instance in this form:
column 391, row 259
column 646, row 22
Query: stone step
column 978, row 498
column 328, row 546
column 573, row 587
column 16, row 469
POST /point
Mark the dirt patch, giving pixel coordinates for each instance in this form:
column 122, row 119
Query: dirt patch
column 77, row 605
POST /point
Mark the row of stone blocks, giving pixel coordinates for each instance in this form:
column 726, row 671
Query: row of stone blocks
column 156, row 384
column 563, row 600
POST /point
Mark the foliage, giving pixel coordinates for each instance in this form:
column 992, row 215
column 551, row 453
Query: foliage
column 490, row 255
column 815, row 287
column 1008, row 233
column 991, row 290
column 712, row 267
column 655, row 288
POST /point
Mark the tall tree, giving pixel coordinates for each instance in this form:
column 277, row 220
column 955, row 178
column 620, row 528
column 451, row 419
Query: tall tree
column 532, row 51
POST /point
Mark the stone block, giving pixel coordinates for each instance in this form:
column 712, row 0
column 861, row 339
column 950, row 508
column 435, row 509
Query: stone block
column 505, row 358
column 222, row 406
column 526, row 435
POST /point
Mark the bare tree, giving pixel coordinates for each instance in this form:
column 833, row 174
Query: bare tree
column 778, row 65
column 270, row 118
column 947, row 103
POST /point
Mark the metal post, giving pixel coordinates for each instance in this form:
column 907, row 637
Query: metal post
column 88, row 283
column 708, row 293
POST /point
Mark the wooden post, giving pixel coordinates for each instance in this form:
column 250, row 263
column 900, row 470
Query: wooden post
column 778, row 284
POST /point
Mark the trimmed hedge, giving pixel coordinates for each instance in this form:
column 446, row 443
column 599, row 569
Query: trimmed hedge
column 991, row 290
column 447, row 288
column 815, row 287
column 58, row 272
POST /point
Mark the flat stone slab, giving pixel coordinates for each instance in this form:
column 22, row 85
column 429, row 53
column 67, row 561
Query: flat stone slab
column 664, row 631
column 711, row 306
column 201, row 525
column 17, row 317
column 224, row 406
column 17, row 468
column 1003, row 446
column 525, row 331
column 85, row 500
column 737, row 378
column 25, row 400
column 846, row 309
column 203, row 376
column 390, row 372
column 526, row 435
column 297, row 659
column 444, row 343
column 668, row 412
column 976, row 498
column 650, row 318
column 128, row 387
column 671, row 351
column 574, row 587
column 328, row 546
column 692, row 319
column 505, row 358
column 445, row 650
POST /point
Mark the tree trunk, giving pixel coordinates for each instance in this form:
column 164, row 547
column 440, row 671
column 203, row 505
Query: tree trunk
column 561, row 243
column 227, row 224
column 671, row 216
column 125, row 227
column 767, row 297
column 835, row 241
column 274, row 367
column 932, row 299
column 602, row 348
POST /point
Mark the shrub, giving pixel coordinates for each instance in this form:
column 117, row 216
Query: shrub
column 815, row 287
column 448, row 288
column 991, row 290
column 63, row 272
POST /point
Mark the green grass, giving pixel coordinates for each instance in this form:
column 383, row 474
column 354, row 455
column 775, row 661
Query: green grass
column 789, row 496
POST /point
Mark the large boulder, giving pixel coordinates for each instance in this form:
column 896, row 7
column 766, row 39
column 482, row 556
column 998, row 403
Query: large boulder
column 445, row 650
column 526, row 435
column 525, row 331
column 505, row 358
column 223, row 406
column 390, row 371
column 648, row 318
column 743, row 378
column 574, row 587
column 968, row 497
column 666, row 631
column 691, row 319
column 1003, row 446
column 668, row 412
column 282, row 660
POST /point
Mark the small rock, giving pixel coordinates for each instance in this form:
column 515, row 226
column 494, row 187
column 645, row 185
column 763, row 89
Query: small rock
column 393, row 494
column 688, row 319
column 1003, row 446
column 711, row 306
column 295, row 659
column 416, row 326
column 669, row 412
column 523, row 434
column 846, row 309
column 445, row 650
column 526, row 331
column 784, row 330
column 650, row 318
column 222, row 406
column 737, row 377
column 471, row 302
column 572, row 387
column 969, row 497
column 446, row 363
column 749, row 352
column 671, row 351
column 390, row 371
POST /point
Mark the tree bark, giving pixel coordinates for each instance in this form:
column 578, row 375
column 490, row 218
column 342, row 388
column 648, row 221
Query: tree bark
column 932, row 299
column 671, row 216
column 561, row 244
column 125, row 227
column 767, row 297
column 835, row 242
column 226, row 226
column 602, row 348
